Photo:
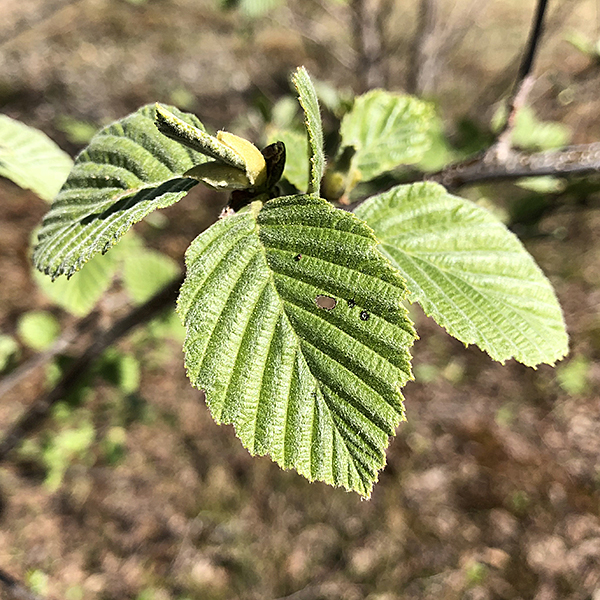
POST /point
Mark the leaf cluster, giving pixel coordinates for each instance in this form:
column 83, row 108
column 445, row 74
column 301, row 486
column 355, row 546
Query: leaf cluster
column 295, row 308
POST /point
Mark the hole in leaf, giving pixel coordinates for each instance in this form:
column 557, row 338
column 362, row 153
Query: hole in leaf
column 326, row 302
column 364, row 315
column 297, row 257
column 351, row 304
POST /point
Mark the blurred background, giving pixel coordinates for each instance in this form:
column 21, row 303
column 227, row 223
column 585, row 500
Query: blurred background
column 130, row 490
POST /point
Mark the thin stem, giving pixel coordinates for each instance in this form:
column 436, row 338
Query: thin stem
column 500, row 150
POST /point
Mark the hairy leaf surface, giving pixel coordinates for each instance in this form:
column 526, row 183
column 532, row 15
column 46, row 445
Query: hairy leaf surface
column 297, row 333
column 469, row 272
column 128, row 170
column 386, row 130
column 31, row 159
column 307, row 97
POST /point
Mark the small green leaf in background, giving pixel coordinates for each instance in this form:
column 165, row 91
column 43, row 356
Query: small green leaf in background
column 76, row 130
column 122, row 369
column 573, row 377
column 252, row 9
column 542, row 185
column 79, row 294
column 31, row 159
column 532, row 134
column 37, row 581
column 64, row 447
column 296, row 161
column 469, row 272
column 307, row 97
column 386, row 130
column 146, row 272
column 38, row 329
column 8, row 350
column 297, row 332
column 129, row 170
column 114, row 444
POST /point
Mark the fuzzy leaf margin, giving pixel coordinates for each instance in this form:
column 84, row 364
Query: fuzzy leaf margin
column 128, row 170
column 307, row 96
column 469, row 272
column 316, row 385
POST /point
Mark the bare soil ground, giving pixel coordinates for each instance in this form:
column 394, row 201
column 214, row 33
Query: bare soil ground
column 492, row 489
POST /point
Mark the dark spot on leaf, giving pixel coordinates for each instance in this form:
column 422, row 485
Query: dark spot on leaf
column 297, row 257
column 351, row 304
column 326, row 302
column 364, row 315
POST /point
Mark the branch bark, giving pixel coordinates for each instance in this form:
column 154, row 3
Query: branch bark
column 500, row 150
column 573, row 160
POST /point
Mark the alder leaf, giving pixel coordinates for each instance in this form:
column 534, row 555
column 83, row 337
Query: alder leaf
column 307, row 97
column 129, row 170
column 386, row 130
column 469, row 272
column 31, row 159
column 297, row 333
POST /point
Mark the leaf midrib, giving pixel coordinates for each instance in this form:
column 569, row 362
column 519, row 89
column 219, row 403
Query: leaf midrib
column 282, row 303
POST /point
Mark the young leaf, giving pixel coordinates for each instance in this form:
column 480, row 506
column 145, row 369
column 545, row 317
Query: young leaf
column 38, row 329
column 128, row 170
column 146, row 272
column 307, row 97
column 385, row 130
column 469, row 272
column 79, row 294
column 296, row 147
column 31, row 159
column 297, row 333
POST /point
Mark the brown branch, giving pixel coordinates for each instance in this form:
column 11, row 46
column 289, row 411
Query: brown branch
column 15, row 589
column 573, row 160
column 500, row 150
column 34, row 416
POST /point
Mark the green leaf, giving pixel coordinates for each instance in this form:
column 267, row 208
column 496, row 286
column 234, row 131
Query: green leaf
column 129, row 170
column 532, row 134
column 8, row 350
column 469, row 272
column 386, row 130
column 307, row 97
column 296, row 161
column 121, row 369
column 31, row 159
column 38, row 329
column 297, row 333
column 258, row 8
column 573, row 377
column 79, row 294
column 146, row 272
